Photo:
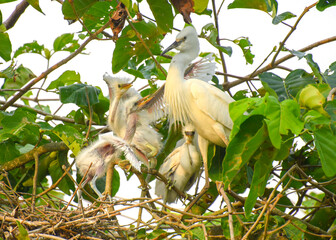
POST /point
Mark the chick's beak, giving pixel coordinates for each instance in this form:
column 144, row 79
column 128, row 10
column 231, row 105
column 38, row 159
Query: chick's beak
column 174, row 45
column 126, row 86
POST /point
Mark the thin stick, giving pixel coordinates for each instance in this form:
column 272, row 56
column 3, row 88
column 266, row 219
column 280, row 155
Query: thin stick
column 220, row 188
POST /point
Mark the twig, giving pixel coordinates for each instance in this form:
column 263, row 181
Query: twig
column 331, row 94
column 291, row 31
column 36, row 157
column 277, row 62
column 218, row 42
column 220, row 188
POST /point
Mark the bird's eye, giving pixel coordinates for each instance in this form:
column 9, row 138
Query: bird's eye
column 184, row 38
column 119, row 85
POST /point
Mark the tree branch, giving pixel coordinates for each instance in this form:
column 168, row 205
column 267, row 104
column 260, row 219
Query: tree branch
column 29, row 156
column 276, row 63
column 19, row 10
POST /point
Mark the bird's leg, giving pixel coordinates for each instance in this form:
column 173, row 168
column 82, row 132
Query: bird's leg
column 109, row 176
column 203, row 146
column 94, row 187
column 153, row 150
column 79, row 193
column 221, row 133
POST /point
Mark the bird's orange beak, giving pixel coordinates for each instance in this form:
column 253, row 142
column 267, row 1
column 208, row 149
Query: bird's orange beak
column 126, row 86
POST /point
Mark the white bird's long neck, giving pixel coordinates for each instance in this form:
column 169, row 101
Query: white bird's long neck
column 175, row 95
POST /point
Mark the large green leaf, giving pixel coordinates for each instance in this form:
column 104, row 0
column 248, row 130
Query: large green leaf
column 129, row 45
column 290, row 117
column 215, row 162
column 252, row 134
column 297, row 80
column 324, row 4
column 70, row 136
column 325, row 141
column 67, row 78
column 56, row 171
column 80, row 94
column 273, row 82
column 8, row 151
column 163, row 14
column 98, row 14
column 262, row 168
column 76, row 8
column 272, row 120
column 5, row 46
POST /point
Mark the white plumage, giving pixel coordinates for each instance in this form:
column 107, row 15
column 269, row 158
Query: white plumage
column 122, row 100
column 181, row 167
column 195, row 101
column 95, row 158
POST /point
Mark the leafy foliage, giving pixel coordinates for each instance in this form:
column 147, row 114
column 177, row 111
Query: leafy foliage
column 282, row 142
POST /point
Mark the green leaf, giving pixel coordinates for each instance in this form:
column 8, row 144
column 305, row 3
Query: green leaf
column 237, row 228
column 272, row 120
column 163, row 14
column 200, row 5
column 98, row 14
column 116, row 182
column 56, row 171
column 129, row 45
column 5, row 46
column 35, row 4
column 70, row 136
column 243, row 145
column 325, row 140
column 331, row 109
column 66, row 42
column 209, row 32
column 245, row 46
column 67, row 78
column 78, row 8
column 16, row 78
column 282, row 17
column 293, row 233
column 215, row 162
column 253, row 4
column 262, row 168
column 23, row 233
column 79, row 94
column 273, row 82
column 297, row 80
column 324, row 4
column 158, row 234
column 8, row 151
column 315, row 68
column 32, row 47
column 290, row 117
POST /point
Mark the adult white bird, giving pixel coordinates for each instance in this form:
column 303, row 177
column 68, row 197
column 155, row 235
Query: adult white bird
column 195, row 101
column 95, row 158
column 122, row 100
column 182, row 167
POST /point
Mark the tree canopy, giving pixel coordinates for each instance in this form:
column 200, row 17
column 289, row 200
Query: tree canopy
column 276, row 177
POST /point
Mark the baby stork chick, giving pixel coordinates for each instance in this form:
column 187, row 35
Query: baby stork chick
column 122, row 101
column 95, row 158
column 181, row 167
